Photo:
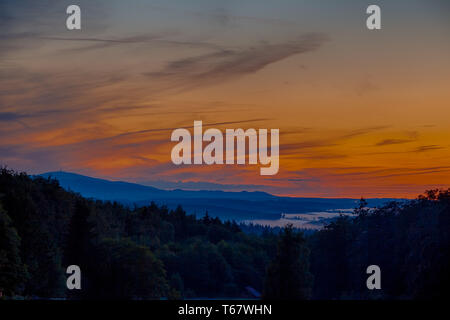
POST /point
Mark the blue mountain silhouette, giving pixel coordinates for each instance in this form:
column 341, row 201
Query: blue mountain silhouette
column 241, row 205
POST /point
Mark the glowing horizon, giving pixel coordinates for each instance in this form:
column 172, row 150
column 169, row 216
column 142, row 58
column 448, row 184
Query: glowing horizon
column 360, row 113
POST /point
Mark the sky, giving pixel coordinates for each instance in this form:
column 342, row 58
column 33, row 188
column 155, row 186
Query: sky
column 360, row 112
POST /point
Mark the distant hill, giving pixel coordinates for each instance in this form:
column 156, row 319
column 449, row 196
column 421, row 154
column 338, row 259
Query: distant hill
column 132, row 192
column 226, row 205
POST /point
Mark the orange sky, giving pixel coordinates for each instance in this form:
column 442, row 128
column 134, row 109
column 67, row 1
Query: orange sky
column 360, row 113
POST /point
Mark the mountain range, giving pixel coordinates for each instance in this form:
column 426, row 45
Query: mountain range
column 242, row 205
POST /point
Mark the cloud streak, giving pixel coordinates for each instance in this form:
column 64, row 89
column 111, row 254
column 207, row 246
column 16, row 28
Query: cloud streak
column 335, row 140
column 226, row 65
column 150, row 39
column 388, row 142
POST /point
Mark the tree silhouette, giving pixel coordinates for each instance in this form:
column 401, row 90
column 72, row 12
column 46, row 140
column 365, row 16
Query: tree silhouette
column 12, row 271
column 288, row 276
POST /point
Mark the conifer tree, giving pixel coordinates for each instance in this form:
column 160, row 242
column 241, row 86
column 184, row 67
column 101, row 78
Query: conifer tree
column 12, row 270
column 288, row 276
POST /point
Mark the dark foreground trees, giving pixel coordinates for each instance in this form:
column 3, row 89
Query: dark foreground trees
column 12, row 271
column 153, row 252
column 288, row 276
column 126, row 271
column 141, row 253
column 409, row 242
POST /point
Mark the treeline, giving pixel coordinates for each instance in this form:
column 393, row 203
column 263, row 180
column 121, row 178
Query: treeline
column 410, row 242
column 140, row 253
column 151, row 252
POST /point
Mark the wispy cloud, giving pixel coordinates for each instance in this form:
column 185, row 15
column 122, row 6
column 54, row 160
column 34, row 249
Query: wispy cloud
column 388, row 142
column 336, row 139
column 132, row 133
column 428, row 148
column 161, row 39
column 226, row 65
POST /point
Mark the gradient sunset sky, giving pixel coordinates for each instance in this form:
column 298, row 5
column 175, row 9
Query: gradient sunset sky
column 360, row 113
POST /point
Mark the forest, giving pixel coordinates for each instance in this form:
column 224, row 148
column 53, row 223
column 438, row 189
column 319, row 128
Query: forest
column 151, row 252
